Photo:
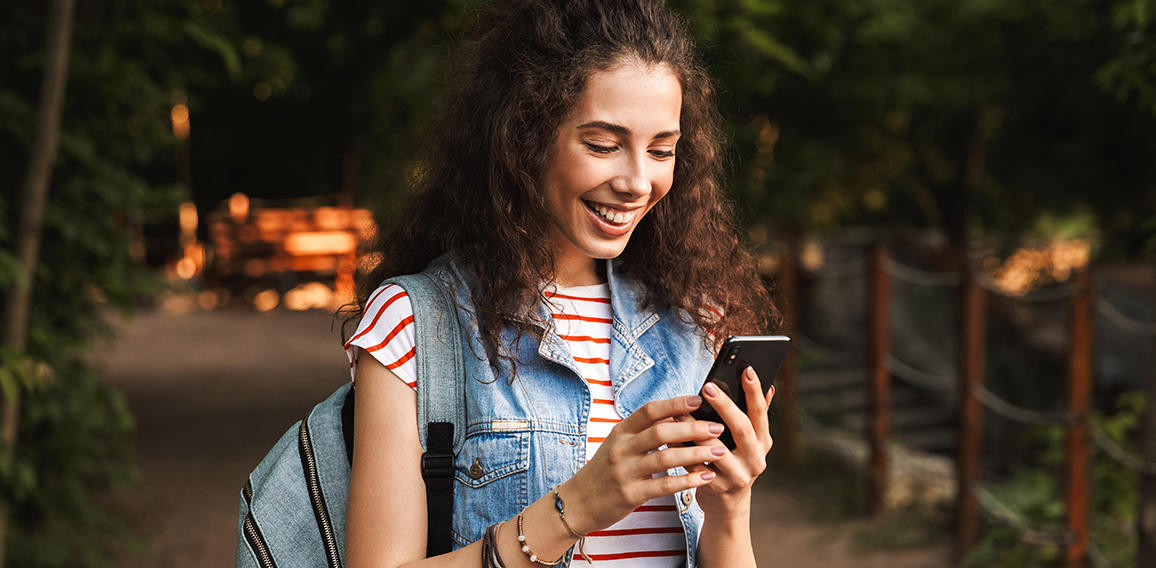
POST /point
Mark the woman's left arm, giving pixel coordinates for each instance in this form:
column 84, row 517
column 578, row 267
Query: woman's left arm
column 725, row 539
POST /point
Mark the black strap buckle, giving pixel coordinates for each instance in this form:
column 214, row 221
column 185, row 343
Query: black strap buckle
column 437, row 469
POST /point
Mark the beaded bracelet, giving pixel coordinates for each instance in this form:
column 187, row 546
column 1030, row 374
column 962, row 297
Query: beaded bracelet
column 526, row 547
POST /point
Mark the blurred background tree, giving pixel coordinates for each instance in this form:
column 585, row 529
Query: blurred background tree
column 968, row 117
column 947, row 114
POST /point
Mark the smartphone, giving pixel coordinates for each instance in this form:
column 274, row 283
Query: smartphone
column 765, row 353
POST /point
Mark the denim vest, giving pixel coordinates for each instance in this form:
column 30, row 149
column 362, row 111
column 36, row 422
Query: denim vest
column 525, row 437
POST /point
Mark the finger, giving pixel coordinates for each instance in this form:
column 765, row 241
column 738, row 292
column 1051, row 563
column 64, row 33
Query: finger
column 738, row 423
column 670, row 484
column 670, row 458
column 756, row 405
column 658, row 410
column 672, row 434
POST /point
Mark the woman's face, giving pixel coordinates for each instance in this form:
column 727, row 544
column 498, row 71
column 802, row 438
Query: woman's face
column 612, row 160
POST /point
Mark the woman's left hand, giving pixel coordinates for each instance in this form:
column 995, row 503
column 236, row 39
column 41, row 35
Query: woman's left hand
column 730, row 492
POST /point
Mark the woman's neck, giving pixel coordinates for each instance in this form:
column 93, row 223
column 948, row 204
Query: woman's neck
column 582, row 270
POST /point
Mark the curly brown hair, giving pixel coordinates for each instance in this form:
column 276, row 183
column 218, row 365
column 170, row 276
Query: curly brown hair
column 478, row 199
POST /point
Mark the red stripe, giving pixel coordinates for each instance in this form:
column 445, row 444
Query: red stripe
column 593, row 440
column 592, row 360
column 396, row 330
column 627, row 532
column 639, row 554
column 654, row 509
column 585, row 338
column 598, row 382
column 603, row 401
column 378, row 293
column 388, row 302
column 568, row 297
column 581, row 318
column 412, row 385
column 402, row 360
column 610, row 420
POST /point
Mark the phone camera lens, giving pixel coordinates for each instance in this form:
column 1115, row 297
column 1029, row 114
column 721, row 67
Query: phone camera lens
column 733, row 354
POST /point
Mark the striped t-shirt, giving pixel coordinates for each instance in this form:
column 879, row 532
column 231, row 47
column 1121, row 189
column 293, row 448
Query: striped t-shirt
column 652, row 535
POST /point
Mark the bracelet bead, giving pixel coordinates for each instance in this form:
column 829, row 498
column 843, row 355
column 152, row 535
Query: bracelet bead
column 526, row 548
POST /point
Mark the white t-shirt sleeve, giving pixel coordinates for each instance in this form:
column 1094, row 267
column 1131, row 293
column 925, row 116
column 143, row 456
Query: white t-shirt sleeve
column 386, row 332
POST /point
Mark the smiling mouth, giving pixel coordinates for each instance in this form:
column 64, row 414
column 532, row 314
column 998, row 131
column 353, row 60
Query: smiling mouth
column 609, row 215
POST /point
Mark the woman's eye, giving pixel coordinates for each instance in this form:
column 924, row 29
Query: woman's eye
column 600, row 149
column 662, row 153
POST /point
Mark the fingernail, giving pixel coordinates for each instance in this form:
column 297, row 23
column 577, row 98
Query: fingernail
column 681, row 418
column 749, row 374
column 710, row 390
column 694, row 401
column 718, row 451
column 708, row 475
column 716, row 429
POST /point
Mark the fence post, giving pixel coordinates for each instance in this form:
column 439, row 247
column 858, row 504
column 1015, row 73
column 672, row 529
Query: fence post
column 1146, row 508
column 1079, row 397
column 879, row 380
column 972, row 361
column 787, row 438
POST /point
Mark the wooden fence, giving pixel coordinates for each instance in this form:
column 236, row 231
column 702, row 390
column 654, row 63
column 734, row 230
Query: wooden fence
column 974, row 397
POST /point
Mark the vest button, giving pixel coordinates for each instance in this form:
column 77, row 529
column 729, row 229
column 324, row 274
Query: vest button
column 687, row 498
column 476, row 469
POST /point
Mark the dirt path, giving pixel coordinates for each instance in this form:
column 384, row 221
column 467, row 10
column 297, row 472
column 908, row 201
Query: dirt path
column 212, row 392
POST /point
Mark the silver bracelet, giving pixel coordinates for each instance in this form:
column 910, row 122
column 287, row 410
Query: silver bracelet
column 560, row 506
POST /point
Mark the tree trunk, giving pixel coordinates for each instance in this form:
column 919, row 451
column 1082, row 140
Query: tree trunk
column 34, row 200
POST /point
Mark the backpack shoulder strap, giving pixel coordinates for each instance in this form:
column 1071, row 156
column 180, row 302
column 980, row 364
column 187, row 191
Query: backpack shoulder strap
column 440, row 397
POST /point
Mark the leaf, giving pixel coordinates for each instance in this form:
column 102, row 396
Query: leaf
column 9, row 384
column 774, row 49
column 219, row 44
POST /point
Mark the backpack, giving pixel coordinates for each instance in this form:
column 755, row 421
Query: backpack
column 293, row 506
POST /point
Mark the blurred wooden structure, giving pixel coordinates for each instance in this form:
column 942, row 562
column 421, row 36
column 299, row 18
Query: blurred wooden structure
column 248, row 244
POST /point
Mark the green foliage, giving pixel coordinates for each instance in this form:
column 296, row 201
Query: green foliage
column 940, row 113
column 1131, row 74
column 1035, row 494
column 112, row 175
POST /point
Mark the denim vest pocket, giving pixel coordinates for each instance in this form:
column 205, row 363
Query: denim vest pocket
column 491, row 474
column 492, row 455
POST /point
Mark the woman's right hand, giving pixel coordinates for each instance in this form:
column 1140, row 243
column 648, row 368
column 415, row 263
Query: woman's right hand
column 620, row 477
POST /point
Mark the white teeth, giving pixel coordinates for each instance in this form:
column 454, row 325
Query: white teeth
column 609, row 214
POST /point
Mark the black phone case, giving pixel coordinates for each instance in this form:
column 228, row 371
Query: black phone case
column 765, row 353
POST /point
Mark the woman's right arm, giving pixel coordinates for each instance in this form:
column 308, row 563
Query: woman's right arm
column 386, row 519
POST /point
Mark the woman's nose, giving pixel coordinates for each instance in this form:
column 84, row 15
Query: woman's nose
column 632, row 178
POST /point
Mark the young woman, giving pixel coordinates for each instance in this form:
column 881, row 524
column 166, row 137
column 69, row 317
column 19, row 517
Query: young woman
column 572, row 189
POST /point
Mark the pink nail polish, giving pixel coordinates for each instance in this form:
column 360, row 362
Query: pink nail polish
column 715, row 429
column 707, row 476
column 710, row 390
column 718, row 451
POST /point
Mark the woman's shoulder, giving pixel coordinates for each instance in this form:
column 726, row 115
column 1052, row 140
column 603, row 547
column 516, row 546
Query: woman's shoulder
column 386, row 332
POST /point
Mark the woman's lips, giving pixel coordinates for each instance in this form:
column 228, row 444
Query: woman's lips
column 604, row 219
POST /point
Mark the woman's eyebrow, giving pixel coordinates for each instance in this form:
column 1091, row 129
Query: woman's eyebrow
column 619, row 129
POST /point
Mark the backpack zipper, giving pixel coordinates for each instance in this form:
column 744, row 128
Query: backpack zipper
column 253, row 534
column 313, row 482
